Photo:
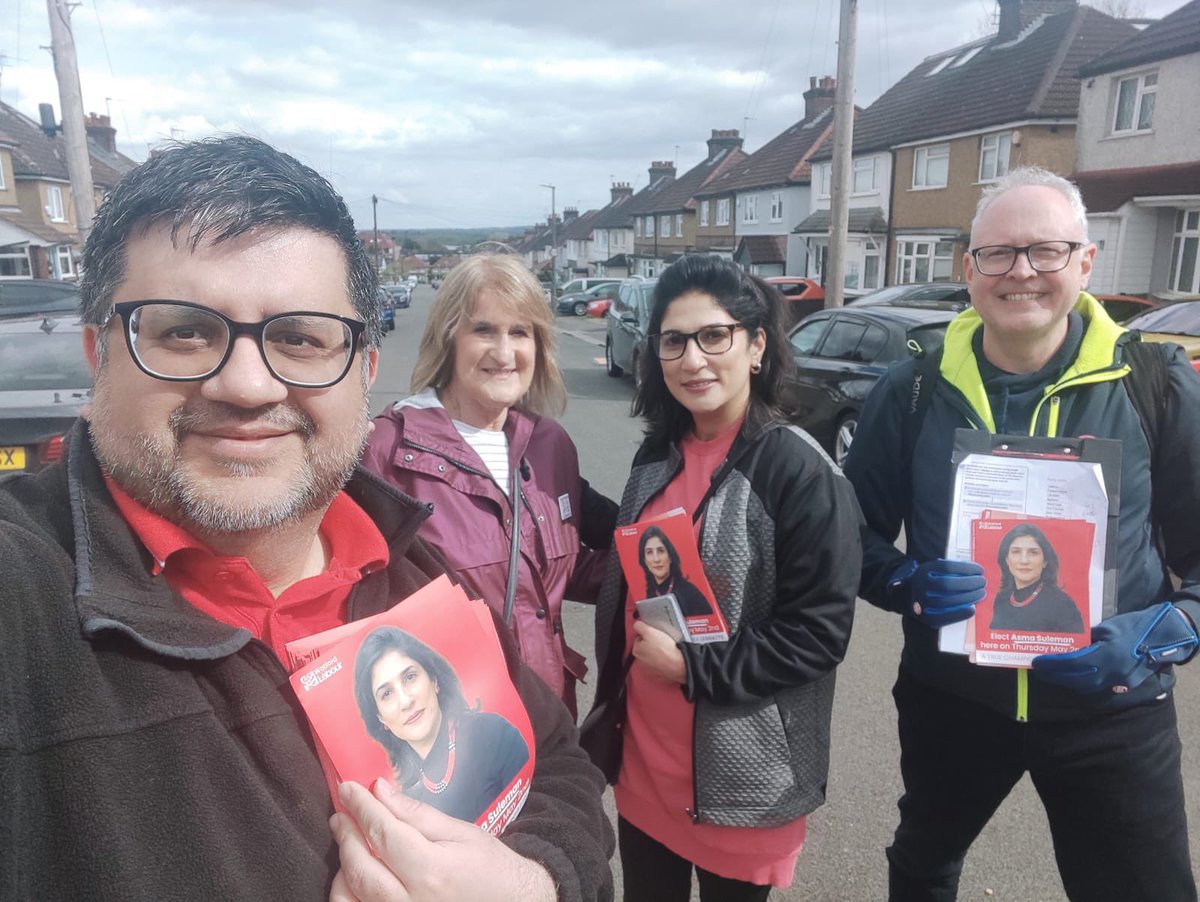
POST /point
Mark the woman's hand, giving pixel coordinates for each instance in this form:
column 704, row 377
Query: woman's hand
column 423, row 855
column 658, row 652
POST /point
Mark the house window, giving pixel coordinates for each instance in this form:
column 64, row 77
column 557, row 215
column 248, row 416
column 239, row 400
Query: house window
column 1135, row 103
column 3, row 184
column 871, row 268
column 750, row 208
column 703, row 212
column 678, row 225
column 54, row 204
column 1184, row 272
column 649, row 226
column 994, row 151
column 723, row 211
column 664, row 227
column 924, row 260
column 864, row 175
column 63, row 256
column 825, row 179
column 14, row 261
column 931, row 166
column 637, row 227
column 776, row 207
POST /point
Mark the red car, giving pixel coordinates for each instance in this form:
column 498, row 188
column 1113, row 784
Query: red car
column 598, row 307
column 804, row 296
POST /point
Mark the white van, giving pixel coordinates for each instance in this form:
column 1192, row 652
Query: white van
column 577, row 285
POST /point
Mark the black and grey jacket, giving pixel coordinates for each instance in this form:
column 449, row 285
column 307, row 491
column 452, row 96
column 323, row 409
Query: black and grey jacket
column 781, row 549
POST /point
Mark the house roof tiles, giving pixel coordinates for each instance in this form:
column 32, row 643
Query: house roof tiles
column 762, row 249
column 1107, row 190
column 36, row 154
column 678, row 195
column 1176, row 34
column 782, row 160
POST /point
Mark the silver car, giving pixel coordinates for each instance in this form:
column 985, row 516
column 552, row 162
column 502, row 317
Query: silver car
column 628, row 321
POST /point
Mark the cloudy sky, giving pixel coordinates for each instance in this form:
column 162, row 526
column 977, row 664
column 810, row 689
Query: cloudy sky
column 454, row 113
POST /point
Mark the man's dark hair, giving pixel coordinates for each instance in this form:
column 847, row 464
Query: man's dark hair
column 750, row 301
column 214, row 190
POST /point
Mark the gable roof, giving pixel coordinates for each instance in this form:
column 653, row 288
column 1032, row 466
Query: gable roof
column 1106, row 190
column 761, row 249
column 36, row 155
column 1176, row 34
column 578, row 228
column 990, row 82
column 644, row 201
column 781, row 161
column 678, row 196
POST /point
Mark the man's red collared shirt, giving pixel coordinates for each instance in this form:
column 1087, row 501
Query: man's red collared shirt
column 229, row 590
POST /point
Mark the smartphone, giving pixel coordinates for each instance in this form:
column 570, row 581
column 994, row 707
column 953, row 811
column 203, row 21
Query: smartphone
column 662, row 612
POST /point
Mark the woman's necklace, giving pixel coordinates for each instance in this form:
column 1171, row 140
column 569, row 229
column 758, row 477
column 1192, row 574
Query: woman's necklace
column 440, row 786
column 1032, row 595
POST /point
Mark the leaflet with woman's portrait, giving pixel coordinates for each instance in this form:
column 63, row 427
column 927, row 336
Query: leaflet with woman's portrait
column 420, row 695
column 662, row 567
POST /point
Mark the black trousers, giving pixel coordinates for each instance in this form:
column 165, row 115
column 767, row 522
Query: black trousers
column 1111, row 786
column 653, row 873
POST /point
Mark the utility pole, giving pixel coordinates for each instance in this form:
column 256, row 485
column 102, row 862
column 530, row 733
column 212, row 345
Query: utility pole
column 70, row 97
column 375, row 227
column 553, row 243
column 843, row 143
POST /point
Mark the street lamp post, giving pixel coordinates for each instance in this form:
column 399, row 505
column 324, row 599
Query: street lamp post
column 553, row 244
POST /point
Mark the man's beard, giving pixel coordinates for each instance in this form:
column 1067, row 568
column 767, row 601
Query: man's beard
column 150, row 468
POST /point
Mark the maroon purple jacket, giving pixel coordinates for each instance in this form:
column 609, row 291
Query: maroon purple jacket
column 566, row 527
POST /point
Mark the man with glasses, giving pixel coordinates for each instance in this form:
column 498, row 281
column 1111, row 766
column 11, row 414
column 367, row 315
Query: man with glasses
column 1094, row 729
column 207, row 512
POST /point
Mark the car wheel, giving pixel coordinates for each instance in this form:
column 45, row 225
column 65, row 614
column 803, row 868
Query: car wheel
column 843, row 437
column 581, row 308
column 610, row 364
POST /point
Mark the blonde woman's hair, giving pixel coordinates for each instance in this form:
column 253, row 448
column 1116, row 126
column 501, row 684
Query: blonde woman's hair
column 516, row 287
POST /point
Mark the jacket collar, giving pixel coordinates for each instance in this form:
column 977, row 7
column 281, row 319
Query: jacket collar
column 115, row 590
column 432, row 428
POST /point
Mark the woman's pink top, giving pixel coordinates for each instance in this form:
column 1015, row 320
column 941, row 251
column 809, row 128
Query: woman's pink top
column 654, row 789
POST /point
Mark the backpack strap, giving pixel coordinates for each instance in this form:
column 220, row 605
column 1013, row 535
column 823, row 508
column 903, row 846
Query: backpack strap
column 925, row 375
column 1146, row 385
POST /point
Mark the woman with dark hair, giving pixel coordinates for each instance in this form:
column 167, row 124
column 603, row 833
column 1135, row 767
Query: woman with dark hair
column 477, row 442
column 725, row 745
column 443, row 752
column 664, row 573
column 1030, row 599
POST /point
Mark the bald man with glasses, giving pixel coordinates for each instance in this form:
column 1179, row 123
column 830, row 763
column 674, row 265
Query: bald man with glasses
column 1094, row 729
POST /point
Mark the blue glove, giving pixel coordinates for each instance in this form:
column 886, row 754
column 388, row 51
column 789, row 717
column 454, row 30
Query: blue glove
column 937, row 593
column 1125, row 650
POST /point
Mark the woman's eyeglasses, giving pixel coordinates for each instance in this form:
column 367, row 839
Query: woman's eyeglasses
column 714, row 339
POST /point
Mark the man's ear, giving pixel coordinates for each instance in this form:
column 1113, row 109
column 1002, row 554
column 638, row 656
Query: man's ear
column 1087, row 259
column 91, row 347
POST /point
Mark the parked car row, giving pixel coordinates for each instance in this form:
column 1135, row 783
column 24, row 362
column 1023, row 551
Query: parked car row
column 576, row 303
column 1178, row 323
column 28, row 297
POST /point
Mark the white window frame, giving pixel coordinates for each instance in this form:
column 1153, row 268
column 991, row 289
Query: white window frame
column 922, row 157
column 723, row 211
column 3, row 183
column 64, row 260
column 664, row 225
column 825, row 179
column 649, row 230
column 995, row 153
column 776, row 206
column 54, row 204
column 637, row 226
column 912, row 250
column 20, row 256
column 678, row 225
column 1144, row 87
column 750, row 209
column 871, row 251
column 703, row 212
column 1186, row 234
column 860, row 166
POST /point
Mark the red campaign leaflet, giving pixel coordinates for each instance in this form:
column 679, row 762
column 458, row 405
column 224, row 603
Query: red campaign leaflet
column 659, row 557
column 1037, row 602
column 420, row 695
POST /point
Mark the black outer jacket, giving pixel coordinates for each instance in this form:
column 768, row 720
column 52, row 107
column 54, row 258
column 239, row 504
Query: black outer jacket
column 148, row 751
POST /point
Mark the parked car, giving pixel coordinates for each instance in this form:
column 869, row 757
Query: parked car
column 1178, row 322
column 44, row 383
column 599, row 307
column 583, row 284
column 29, row 297
column 576, row 303
column 628, row 318
column 841, row 353
column 803, row 296
column 387, row 313
column 1124, row 306
column 951, row 294
column 401, row 295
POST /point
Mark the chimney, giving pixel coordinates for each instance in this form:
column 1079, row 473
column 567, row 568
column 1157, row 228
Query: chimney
column 723, row 139
column 659, row 169
column 100, row 130
column 621, row 190
column 819, row 96
column 1016, row 15
column 570, row 214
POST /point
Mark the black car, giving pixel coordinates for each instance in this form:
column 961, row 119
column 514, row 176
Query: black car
column 28, row 297
column 575, row 303
column 401, row 296
column 918, row 294
column 44, row 383
column 841, row 353
column 627, row 321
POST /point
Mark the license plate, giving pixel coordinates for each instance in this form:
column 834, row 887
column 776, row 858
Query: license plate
column 12, row 458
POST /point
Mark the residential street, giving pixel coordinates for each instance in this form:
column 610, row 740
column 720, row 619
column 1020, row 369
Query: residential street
column 844, row 860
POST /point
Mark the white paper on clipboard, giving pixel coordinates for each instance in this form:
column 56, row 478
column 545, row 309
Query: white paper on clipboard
column 1038, row 487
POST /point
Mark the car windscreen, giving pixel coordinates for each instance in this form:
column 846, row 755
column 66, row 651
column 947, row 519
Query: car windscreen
column 40, row 362
column 1178, row 319
column 20, row 299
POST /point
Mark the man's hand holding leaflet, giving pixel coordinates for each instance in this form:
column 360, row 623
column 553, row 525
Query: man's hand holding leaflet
column 937, row 592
